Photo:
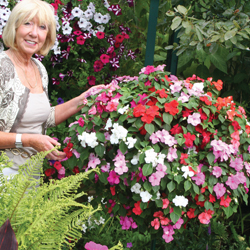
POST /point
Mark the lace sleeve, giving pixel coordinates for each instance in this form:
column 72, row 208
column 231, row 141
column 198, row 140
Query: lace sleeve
column 51, row 119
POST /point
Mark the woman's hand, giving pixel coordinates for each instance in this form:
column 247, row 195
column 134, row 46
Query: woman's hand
column 92, row 91
column 43, row 143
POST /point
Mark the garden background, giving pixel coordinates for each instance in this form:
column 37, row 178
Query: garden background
column 209, row 39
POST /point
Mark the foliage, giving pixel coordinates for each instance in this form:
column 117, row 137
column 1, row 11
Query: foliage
column 169, row 151
column 213, row 41
column 43, row 215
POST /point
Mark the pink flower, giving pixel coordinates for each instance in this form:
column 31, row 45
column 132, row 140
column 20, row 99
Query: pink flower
column 217, row 171
column 93, row 246
column 219, row 190
column 120, row 167
column 165, row 203
column 94, row 162
column 155, row 179
column 149, row 69
column 172, row 154
column 61, row 173
column 168, row 232
column 92, row 111
column 81, row 122
column 113, row 178
column 127, row 222
column 104, row 58
column 178, row 224
column 237, row 164
column 199, row 179
column 194, row 119
column 112, row 105
column 155, row 223
column 204, row 217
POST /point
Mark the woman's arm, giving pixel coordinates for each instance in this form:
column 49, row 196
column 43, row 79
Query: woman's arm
column 36, row 141
column 71, row 107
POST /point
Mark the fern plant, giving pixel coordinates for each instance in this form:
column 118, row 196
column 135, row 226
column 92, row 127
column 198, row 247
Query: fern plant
column 42, row 215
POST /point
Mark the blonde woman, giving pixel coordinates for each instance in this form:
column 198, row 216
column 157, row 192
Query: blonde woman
column 25, row 111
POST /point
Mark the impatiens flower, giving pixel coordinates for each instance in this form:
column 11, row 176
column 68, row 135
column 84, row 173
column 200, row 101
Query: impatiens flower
column 130, row 142
column 225, row 202
column 232, row 182
column 189, row 139
column 127, row 223
column 219, row 190
column 113, row 178
column 180, row 200
column 194, row 119
column 81, row 122
column 93, row 246
column 165, row 203
column 139, row 110
column 155, row 179
column 217, row 171
column 190, row 213
column 155, row 223
column 199, row 179
column 136, row 188
column 178, row 224
column 204, row 218
column 145, row 196
column 171, row 107
column 137, row 210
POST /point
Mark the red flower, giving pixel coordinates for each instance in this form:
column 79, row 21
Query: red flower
column 104, row 58
column 187, row 112
column 147, row 117
column 91, row 80
column 98, row 65
column 236, row 125
column 76, row 170
column 205, row 99
column 182, row 159
column 48, row 172
column 211, row 198
column 190, row 213
column 80, row 40
column 119, row 38
column 139, row 110
column 199, row 203
column 112, row 190
column 176, row 129
column 189, row 139
column 203, row 115
column 218, row 85
column 171, row 107
column 225, row 202
column 137, row 209
column 162, row 93
column 57, row 165
column 100, row 35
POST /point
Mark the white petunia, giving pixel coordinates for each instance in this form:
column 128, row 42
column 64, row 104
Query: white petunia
column 130, row 142
column 84, row 228
column 76, row 12
column 106, row 18
column 145, row 196
column 88, row 14
column 98, row 18
column 136, row 188
column 180, row 201
column 66, row 29
column 91, row 7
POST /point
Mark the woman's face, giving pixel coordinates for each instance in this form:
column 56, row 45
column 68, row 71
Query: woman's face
column 31, row 36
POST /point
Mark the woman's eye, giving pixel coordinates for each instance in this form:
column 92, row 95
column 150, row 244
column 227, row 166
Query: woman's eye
column 44, row 27
column 27, row 23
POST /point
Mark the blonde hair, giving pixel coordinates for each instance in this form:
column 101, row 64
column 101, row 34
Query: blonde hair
column 24, row 11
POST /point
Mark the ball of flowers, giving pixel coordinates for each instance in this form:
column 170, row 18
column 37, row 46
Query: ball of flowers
column 169, row 151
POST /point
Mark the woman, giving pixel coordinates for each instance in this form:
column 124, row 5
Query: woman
column 25, row 112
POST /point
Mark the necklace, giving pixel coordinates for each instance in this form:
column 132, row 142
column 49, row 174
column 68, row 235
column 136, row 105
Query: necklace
column 12, row 55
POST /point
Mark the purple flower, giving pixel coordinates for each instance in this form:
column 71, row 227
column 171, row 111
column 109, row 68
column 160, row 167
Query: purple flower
column 60, row 100
column 129, row 245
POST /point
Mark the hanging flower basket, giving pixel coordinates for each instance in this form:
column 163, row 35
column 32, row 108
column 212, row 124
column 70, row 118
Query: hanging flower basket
column 169, row 151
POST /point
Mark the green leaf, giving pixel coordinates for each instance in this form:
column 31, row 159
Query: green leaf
column 103, row 178
column 187, row 185
column 230, row 34
column 176, row 22
column 182, row 9
column 167, row 118
column 218, row 62
column 174, row 217
column 123, row 147
column 228, row 211
column 100, row 136
column 171, row 186
column 147, row 169
column 210, row 158
column 147, row 186
column 196, row 189
column 150, row 128
column 100, row 149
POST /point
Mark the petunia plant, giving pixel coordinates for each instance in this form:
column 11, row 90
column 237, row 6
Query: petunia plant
column 169, row 151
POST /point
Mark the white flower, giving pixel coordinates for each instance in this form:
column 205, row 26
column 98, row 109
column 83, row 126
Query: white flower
column 103, row 202
column 118, row 132
column 98, row 18
column 4, row 14
column 136, row 188
column 180, row 200
column 100, row 28
column 66, row 29
column 106, row 18
column 135, row 159
column 108, row 124
column 88, row 138
column 84, row 24
column 192, row 150
column 76, row 12
column 84, row 228
column 101, row 220
column 145, row 196
column 4, row 2
column 123, row 110
column 161, row 158
column 91, row 7
column 151, row 157
column 97, row 222
column 88, row 14
column 106, row 4
column 130, row 142
column 187, row 172
column 90, row 198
